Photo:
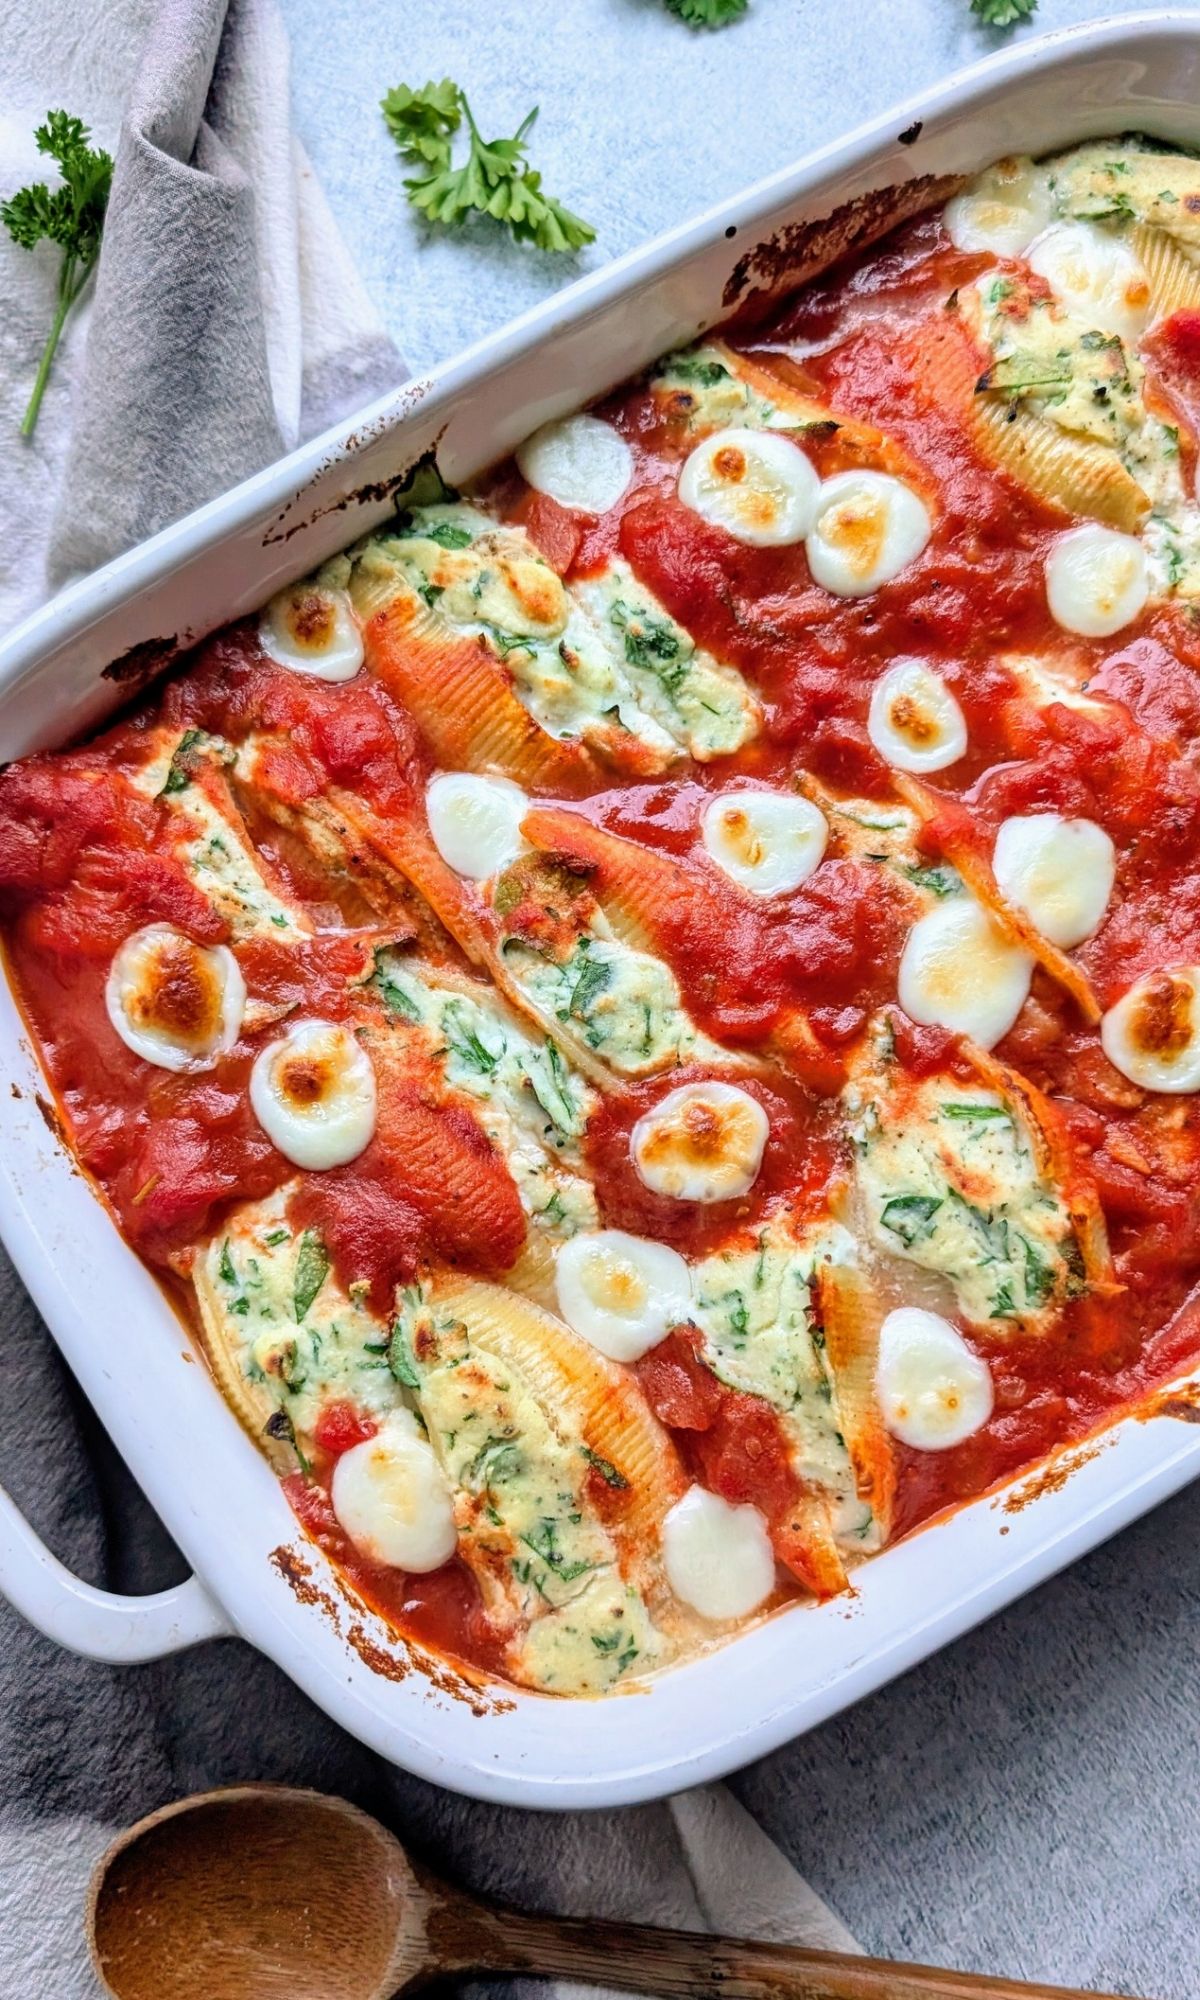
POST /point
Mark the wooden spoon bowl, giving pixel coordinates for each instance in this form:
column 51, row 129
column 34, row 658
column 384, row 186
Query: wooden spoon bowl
column 257, row 1890
column 266, row 1893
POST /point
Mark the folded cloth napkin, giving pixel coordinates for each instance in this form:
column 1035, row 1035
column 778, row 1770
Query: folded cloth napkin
column 227, row 321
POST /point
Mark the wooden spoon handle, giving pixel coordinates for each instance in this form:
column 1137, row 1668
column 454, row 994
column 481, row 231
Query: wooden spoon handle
column 675, row 1965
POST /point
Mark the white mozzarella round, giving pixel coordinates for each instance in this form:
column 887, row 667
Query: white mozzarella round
column 701, row 1142
column 766, row 842
column 1097, row 580
column 391, row 1497
column 915, row 722
column 933, row 1390
column 314, row 631
column 475, row 822
column 313, row 1093
column 620, row 1292
column 175, row 1003
column 1095, row 274
column 581, row 462
column 959, row 971
column 718, row 1558
column 1059, row 871
column 756, row 485
column 868, row 528
column 1152, row 1034
column 1002, row 211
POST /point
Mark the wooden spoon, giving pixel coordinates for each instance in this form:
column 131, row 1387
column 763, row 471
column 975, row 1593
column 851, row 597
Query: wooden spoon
column 265, row 1893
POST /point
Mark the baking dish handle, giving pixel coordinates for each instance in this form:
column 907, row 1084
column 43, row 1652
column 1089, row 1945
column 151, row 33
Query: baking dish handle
column 101, row 1624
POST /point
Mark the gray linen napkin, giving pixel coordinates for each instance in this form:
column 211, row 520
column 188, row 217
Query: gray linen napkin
column 227, row 321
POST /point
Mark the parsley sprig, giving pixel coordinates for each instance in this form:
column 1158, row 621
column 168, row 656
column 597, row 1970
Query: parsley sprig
column 1003, row 13
column 71, row 215
column 708, row 13
column 495, row 179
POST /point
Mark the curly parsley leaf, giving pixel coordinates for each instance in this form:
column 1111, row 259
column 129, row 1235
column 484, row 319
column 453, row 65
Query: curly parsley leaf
column 496, row 179
column 1003, row 13
column 70, row 215
column 708, row 13
column 423, row 122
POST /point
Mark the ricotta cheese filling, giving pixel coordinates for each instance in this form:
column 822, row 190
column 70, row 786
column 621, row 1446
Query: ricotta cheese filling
column 757, row 1310
column 519, row 1474
column 949, row 1179
column 531, row 1105
column 586, row 659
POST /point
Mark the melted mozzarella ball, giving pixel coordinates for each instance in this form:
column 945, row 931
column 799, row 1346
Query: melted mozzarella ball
column 718, row 1558
column 580, row 461
column 868, row 528
column 766, row 842
column 620, row 1292
column 701, row 1142
column 1002, row 211
column 933, row 1390
column 959, row 971
column 1059, row 871
column 1152, row 1035
column 391, row 1497
column 1096, row 580
column 475, row 822
column 313, row 1093
column 756, row 485
column 175, row 1003
column 313, row 631
column 1095, row 275
column 914, row 721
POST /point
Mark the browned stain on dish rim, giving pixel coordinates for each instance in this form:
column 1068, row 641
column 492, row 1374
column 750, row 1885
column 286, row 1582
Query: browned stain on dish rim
column 52, row 1119
column 140, row 664
column 1182, row 1401
column 803, row 250
column 1053, row 1475
column 371, row 491
column 393, row 1661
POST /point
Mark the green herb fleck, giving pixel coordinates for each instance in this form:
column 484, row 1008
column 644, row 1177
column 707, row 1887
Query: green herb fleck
column 179, row 774
column 466, row 1045
column 497, row 1461
column 544, row 1543
column 939, row 881
column 689, row 368
column 608, row 1472
column 910, row 1217
column 594, row 975
column 975, row 1111
column 394, row 998
column 312, row 1269
column 654, row 644
column 447, row 534
column 400, row 1358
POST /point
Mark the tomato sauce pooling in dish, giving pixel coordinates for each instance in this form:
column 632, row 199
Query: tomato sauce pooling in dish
column 651, row 1010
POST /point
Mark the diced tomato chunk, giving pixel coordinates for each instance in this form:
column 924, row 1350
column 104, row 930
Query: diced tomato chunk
column 340, row 1426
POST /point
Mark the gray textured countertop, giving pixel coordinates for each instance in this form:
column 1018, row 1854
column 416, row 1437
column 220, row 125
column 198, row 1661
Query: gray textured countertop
column 1027, row 1801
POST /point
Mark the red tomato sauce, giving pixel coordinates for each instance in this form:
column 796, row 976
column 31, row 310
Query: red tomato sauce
column 85, row 859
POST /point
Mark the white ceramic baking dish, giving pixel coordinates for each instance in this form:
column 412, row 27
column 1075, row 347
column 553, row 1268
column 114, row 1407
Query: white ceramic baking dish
column 254, row 1573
